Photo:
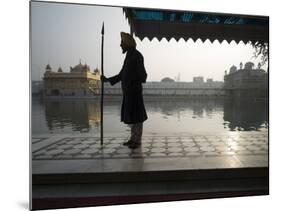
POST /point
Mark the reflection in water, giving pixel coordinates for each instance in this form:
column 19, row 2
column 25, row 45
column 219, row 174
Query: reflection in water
column 173, row 107
column 165, row 115
column 245, row 114
column 80, row 114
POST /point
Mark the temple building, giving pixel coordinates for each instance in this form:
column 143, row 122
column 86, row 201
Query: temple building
column 247, row 81
column 79, row 82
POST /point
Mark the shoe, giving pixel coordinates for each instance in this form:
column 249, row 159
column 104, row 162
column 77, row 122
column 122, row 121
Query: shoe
column 127, row 143
column 134, row 145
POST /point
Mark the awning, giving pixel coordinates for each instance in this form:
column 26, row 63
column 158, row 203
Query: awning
column 170, row 24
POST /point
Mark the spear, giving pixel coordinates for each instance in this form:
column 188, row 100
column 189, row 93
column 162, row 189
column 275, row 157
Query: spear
column 101, row 102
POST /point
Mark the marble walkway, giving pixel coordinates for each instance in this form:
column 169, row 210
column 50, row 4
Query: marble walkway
column 62, row 147
column 76, row 154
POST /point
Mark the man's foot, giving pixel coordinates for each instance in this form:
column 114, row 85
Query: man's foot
column 127, row 143
column 134, row 145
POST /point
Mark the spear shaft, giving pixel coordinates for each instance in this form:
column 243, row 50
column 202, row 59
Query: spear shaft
column 102, row 87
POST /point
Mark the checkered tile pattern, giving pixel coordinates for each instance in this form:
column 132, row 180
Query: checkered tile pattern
column 37, row 140
column 188, row 146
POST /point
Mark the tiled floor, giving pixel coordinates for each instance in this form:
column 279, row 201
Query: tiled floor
column 66, row 148
column 37, row 140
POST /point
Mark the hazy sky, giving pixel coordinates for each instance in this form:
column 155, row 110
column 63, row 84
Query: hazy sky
column 62, row 34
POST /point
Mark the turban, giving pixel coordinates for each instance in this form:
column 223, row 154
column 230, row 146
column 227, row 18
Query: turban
column 128, row 39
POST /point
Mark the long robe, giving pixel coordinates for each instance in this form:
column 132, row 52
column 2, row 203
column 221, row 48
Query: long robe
column 132, row 75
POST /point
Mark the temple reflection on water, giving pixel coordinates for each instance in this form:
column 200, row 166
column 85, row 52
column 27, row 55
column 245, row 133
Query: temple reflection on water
column 81, row 115
column 245, row 115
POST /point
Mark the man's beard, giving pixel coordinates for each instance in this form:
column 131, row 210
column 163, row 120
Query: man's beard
column 124, row 50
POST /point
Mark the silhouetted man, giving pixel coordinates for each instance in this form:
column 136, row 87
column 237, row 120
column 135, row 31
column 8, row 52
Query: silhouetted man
column 132, row 75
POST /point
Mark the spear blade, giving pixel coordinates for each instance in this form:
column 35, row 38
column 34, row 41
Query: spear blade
column 102, row 30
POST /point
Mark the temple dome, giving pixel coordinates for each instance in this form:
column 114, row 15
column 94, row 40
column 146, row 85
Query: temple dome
column 233, row 69
column 96, row 71
column 48, row 67
column 249, row 65
column 167, row 79
column 80, row 68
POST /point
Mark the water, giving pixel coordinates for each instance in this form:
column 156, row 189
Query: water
column 165, row 116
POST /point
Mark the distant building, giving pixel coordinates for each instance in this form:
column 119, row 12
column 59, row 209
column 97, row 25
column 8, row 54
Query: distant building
column 247, row 81
column 80, row 81
column 167, row 79
column 173, row 88
column 198, row 79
